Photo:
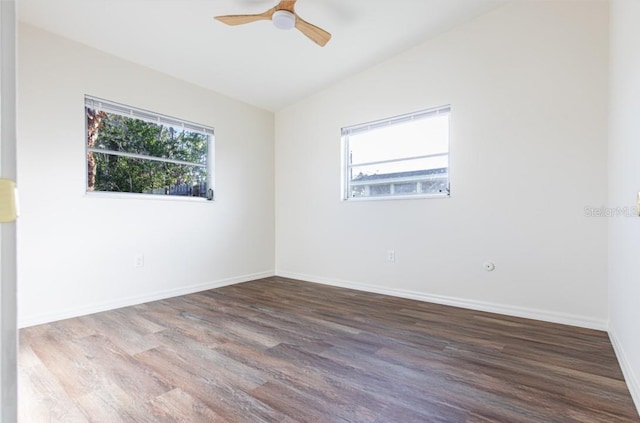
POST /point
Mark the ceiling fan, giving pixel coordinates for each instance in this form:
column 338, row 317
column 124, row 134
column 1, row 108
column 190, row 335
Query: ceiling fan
column 283, row 16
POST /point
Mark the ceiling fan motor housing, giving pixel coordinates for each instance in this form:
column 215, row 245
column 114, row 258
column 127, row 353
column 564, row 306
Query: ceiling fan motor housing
column 283, row 19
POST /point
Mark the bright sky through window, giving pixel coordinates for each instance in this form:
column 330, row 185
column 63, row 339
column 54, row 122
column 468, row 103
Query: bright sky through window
column 407, row 140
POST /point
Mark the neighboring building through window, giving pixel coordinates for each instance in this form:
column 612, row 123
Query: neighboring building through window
column 403, row 156
column 131, row 150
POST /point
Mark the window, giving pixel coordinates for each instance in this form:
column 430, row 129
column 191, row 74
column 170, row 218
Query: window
column 135, row 151
column 403, row 156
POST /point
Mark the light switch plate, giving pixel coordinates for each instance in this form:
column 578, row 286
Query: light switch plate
column 8, row 208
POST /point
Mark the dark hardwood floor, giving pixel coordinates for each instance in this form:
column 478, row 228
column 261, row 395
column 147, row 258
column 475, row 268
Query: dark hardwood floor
column 279, row 350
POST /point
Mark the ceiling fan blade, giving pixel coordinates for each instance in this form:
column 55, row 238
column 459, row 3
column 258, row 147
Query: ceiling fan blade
column 315, row 34
column 245, row 19
column 286, row 5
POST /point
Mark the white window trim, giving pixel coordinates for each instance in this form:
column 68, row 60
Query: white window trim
column 100, row 104
column 145, row 197
column 96, row 103
column 364, row 127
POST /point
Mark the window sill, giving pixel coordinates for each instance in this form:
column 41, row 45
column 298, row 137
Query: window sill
column 128, row 196
column 399, row 197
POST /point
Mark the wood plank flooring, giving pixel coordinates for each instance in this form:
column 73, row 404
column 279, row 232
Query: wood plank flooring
column 280, row 350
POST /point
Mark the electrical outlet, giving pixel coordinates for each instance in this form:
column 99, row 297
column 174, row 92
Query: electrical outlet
column 391, row 255
column 138, row 261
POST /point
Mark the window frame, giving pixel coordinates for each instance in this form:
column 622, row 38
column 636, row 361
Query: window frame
column 126, row 111
column 346, row 183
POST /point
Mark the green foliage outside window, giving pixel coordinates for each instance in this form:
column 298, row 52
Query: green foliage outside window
column 115, row 134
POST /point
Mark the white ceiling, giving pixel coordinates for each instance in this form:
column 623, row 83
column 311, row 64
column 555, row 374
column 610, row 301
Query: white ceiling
column 255, row 63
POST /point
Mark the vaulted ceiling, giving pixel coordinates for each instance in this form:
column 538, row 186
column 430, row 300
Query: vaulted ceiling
column 255, row 63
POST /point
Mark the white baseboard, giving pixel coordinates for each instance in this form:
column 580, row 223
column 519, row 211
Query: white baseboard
column 629, row 376
column 528, row 313
column 138, row 299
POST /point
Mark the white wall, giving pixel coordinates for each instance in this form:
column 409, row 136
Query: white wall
column 624, row 185
column 528, row 88
column 76, row 252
